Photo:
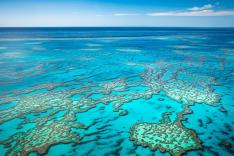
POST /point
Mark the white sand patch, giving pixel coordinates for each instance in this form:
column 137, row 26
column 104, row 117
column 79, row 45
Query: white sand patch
column 39, row 48
column 129, row 50
column 13, row 55
column 86, row 58
column 91, row 49
column 2, row 48
column 131, row 64
column 170, row 38
column 181, row 52
column 162, row 38
column 182, row 47
column 93, row 45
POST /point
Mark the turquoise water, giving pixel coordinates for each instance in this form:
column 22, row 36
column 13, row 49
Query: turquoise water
column 86, row 91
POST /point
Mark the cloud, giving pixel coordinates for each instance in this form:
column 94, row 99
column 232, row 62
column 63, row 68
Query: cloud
column 195, row 13
column 124, row 14
column 205, row 7
column 205, row 10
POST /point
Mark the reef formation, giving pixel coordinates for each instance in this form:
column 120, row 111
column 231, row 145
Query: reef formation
column 167, row 136
column 41, row 138
column 170, row 136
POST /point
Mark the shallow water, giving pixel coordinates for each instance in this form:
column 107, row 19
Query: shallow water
column 87, row 91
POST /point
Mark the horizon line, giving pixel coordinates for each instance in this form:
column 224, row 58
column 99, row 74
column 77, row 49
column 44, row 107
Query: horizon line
column 116, row 27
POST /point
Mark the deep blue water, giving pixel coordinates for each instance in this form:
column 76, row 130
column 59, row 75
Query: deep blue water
column 109, row 79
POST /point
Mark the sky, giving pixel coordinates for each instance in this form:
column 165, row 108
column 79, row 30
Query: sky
column 92, row 13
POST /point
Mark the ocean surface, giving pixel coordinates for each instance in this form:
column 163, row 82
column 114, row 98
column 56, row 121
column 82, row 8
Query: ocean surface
column 117, row 91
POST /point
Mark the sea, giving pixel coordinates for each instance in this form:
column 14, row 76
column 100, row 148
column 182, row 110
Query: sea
column 103, row 91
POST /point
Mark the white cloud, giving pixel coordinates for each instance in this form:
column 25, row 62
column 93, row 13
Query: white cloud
column 124, row 14
column 205, row 10
column 195, row 13
column 205, row 7
column 118, row 14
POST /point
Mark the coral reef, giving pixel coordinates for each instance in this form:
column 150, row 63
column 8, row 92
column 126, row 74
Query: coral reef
column 167, row 136
column 197, row 89
column 41, row 138
column 39, row 102
column 116, row 85
column 47, row 86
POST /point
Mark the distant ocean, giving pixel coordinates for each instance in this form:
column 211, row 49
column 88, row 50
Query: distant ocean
column 117, row 91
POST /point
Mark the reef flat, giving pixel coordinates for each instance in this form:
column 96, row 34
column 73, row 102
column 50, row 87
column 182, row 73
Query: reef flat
column 166, row 136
